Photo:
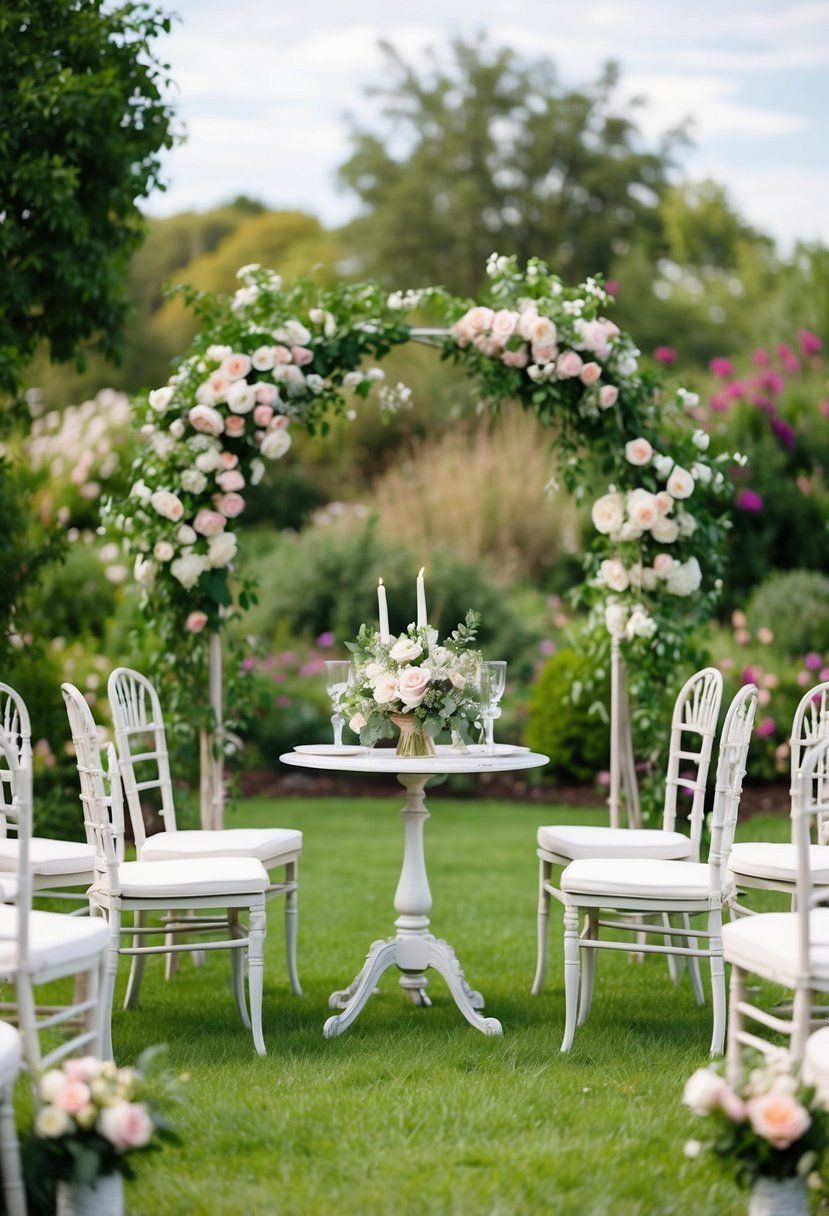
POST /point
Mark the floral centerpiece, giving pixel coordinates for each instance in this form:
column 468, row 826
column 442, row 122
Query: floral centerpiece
column 93, row 1116
column 770, row 1127
column 416, row 683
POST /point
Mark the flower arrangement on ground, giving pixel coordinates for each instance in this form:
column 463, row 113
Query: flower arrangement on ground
column 414, row 681
column 93, row 1116
column 769, row 1126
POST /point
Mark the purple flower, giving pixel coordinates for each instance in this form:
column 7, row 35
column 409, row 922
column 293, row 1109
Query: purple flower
column 664, row 354
column 751, row 675
column 749, row 500
column 772, row 382
column 722, row 367
column 765, row 728
column 248, row 663
column 326, row 639
column 810, row 343
column 813, row 661
column 783, row 433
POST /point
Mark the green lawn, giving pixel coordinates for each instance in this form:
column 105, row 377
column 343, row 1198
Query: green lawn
column 412, row 1111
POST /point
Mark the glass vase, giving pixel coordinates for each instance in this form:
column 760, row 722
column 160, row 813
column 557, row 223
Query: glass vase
column 413, row 742
column 106, row 1198
column 779, row 1197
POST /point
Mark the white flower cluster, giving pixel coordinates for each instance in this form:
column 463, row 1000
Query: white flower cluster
column 79, row 446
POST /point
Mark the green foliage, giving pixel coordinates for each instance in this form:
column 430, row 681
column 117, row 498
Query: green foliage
column 567, row 723
column 794, row 605
column 495, row 151
column 84, row 121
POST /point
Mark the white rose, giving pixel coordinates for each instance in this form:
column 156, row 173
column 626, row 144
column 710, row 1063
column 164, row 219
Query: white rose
column 188, row 569
column 51, row 1084
column 263, row 358
column 208, row 461
column 608, row 513
column 684, row 578
column 241, row 397
column 257, row 472
column 275, row 444
column 141, row 492
column 642, row 509
column 664, row 530
column 638, row 451
column 160, row 398
column 640, row 624
column 680, row 484
column 701, row 440
column 163, row 551
column 404, row 650
column 662, row 465
column 687, row 524
column 614, row 575
column 702, row 1091
column 221, row 549
column 207, row 420
column 615, row 619
column 627, row 365
column 701, row 472
column 167, row 505
column 177, row 428
column 52, row 1122
column 143, row 572
column 186, row 535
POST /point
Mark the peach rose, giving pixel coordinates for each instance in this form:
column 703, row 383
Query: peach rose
column 641, row 508
column 608, row 513
column 515, row 358
column 302, row 356
column 195, row 622
column 590, row 373
column 218, row 384
column 208, row 523
column 680, row 484
column 167, row 505
column 384, row 689
column 228, row 460
column 281, row 354
column 608, row 396
column 231, row 479
column 412, row 683
column 664, row 502
column 205, row 419
column 778, row 1118
column 638, row 451
column 235, row 426
column 569, row 364
column 262, row 414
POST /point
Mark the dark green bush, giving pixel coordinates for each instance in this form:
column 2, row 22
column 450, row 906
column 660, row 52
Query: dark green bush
column 562, row 722
column 794, row 604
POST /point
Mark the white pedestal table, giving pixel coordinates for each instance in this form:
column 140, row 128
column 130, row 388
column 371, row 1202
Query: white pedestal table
column 413, row 949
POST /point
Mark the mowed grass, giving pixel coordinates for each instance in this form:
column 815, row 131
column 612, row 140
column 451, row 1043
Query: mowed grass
column 412, row 1111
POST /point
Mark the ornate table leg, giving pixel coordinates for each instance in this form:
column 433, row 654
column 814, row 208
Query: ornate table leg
column 413, row 899
column 380, row 957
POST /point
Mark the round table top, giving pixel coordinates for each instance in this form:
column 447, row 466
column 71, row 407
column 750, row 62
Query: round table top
column 348, row 759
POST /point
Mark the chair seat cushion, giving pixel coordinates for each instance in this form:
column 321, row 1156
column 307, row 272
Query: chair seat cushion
column 569, row 840
column 629, row 877
column 761, row 859
column 11, row 1053
column 54, row 939
column 267, row 845
column 191, row 877
column 50, row 856
column 767, row 945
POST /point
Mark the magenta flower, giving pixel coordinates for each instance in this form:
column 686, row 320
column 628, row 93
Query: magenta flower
column 719, row 402
column 750, row 675
column 772, row 382
column 722, row 367
column 810, row 343
column 326, row 639
column 735, row 390
column 761, row 357
column 248, row 663
column 547, row 646
column 824, row 405
column 664, row 354
column 749, row 500
column 765, row 728
column 783, row 433
column 813, row 661
column 611, row 287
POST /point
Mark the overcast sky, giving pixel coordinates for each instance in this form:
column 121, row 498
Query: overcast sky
column 263, row 88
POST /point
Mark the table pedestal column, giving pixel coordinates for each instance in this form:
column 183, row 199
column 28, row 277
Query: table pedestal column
column 414, row 948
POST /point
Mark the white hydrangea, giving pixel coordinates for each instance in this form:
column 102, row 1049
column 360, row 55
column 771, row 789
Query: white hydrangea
column 193, row 481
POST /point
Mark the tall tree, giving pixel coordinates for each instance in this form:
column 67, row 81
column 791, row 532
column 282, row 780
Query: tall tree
column 490, row 151
column 83, row 119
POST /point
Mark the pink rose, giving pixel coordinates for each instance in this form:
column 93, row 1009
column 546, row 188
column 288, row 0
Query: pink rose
column 662, row 563
column 479, row 319
column 281, row 354
column 235, row 366
column 228, row 460
column 81, row 1068
column 126, row 1125
column 778, row 1118
column 218, row 383
column 231, row 505
column 487, row 346
column 262, row 414
column 544, row 353
column 515, row 358
column 235, row 425
column 412, row 683
column 74, row 1096
column 569, row 364
column 279, row 423
column 265, row 393
column 732, row 1105
column 608, row 395
column 205, row 419
column 209, row 523
column 638, row 451
column 232, row 479
column 503, row 325
column 542, row 331
column 195, row 622
column 385, row 689
column 302, row 355
column 590, row 373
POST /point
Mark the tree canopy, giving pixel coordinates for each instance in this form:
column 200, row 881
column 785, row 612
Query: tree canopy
column 490, row 151
column 83, row 119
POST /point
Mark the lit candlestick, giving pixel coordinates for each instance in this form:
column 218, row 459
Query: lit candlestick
column 383, row 611
column 421, row 599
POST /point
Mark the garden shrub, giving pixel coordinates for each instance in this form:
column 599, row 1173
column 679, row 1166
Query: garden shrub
column 794, row 605
column 563, row 724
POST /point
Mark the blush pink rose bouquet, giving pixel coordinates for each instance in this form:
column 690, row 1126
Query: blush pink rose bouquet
column 434, row 683
column 92, row 1116
column 769, row 1125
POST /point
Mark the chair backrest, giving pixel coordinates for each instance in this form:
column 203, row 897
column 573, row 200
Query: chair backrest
column 101, row 798
column 141, row 740
column 16, row 810
column 693, row 727
column 809, row 725
column 15, row 725
column 811, row 799
column 731, row 769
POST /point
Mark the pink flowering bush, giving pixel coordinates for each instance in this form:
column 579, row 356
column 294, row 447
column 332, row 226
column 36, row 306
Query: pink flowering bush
column 92, row 1116
column 769, row 1125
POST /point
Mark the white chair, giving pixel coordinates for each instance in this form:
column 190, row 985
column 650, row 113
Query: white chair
column 639, row 889
column 787, row 949
column 11, row 1059
column 693, row 726
column 816, row 1063
column 57, row 866
column 148, row 888
column 772, row 866
column 39, row 947
column 144, row 764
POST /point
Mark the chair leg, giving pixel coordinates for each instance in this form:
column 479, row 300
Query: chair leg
column 256, row 971
column 693, row 965
column 237, row 965
column 588, row 967
column 108, row 984
column 736, row 1024
column 14, row 1195
column 675, row 961
column 545, row 870
column 291, row 924
column 136, row 969
column 801, row 1022
column 571, row 974
column 717, row 982
column 27, row 1023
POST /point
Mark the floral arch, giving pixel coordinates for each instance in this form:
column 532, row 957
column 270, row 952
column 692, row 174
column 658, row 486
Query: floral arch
column 276, row 356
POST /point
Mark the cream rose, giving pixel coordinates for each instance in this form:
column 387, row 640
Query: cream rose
column 642, row 509
column 205, row 419
column 702, row 1091
column 384, row 689
column 167, row 505
column 188, row 569
column 275, row 444
column 680, row 484
column 412, row 683
column 608, row 513
column 221, row 549
column 235, row 366
column 614, row 575
column 404, row 650
column 664, row 530
column 638, row 451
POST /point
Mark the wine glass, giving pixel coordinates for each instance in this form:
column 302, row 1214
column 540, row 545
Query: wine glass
column 492, row 679
column 337, row 679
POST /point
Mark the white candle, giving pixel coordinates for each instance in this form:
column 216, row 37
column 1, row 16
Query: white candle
column 383, row 611
column 421, row 599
